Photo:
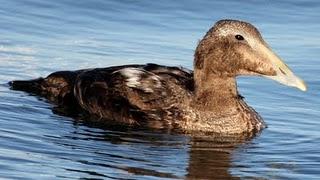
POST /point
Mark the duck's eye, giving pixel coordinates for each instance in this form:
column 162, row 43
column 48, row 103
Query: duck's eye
column 239, row 37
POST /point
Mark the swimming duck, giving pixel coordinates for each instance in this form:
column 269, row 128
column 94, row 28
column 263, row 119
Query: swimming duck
column 151, row 95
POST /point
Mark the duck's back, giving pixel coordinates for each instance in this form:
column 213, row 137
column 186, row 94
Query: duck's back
column 134, row 94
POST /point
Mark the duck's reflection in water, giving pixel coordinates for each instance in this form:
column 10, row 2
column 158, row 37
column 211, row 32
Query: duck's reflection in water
column 157, row 154
column 211, row 158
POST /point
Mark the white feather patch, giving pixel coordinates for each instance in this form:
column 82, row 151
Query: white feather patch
column 134, row 79
column 133, row 76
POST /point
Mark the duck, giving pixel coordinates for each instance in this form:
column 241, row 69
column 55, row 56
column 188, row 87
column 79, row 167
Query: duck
column 158, row 96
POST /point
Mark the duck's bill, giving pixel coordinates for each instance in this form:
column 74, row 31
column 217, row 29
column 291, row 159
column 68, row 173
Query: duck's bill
column 284, row 74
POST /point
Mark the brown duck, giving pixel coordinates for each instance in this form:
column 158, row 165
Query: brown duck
column 206, row 100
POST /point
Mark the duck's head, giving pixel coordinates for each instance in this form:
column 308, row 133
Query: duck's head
column 231, row 48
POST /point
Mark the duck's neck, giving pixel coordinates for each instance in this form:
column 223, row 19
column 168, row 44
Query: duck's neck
column 217, row 94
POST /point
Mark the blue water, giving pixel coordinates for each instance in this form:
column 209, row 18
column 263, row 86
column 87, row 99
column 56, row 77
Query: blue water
column 38, row 37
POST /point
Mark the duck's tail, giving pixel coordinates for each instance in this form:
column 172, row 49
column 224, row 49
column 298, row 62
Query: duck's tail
column 32, row 86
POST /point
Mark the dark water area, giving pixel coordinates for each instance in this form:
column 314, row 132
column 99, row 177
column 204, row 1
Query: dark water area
column 38, row 37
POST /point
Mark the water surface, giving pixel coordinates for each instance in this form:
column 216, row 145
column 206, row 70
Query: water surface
column 38, row 37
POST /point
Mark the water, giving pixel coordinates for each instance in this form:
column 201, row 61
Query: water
column 38, row 37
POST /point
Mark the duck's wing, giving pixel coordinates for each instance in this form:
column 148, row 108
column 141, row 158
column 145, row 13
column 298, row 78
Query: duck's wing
column 129, row 93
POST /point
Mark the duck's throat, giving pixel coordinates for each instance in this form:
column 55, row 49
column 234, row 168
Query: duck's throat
column 218, row 95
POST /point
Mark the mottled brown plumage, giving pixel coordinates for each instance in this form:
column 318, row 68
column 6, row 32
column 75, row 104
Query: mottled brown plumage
column 171, row 97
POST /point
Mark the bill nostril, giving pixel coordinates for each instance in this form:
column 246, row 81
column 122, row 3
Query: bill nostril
column 282, row 71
